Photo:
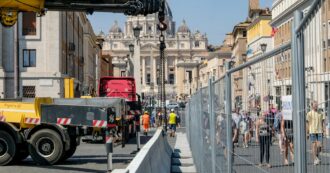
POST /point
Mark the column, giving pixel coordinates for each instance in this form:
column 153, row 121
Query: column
column 154, row 70
column 137, row 66
column 143, row 71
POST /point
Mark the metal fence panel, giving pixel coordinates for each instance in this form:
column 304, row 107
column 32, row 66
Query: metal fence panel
column 269, row 92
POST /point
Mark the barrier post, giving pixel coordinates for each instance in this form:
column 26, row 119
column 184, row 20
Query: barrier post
column 109, row 149
column 298, row 99
column 229, row 119
column 212, row 122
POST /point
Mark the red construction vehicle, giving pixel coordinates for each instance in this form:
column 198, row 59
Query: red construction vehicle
column 124, row 87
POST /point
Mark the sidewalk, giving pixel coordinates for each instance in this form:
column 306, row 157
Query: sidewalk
column 182, row 161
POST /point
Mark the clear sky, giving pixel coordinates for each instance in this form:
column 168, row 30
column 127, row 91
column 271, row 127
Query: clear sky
column 213, row 17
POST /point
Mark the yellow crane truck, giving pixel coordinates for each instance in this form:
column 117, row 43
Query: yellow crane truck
column 49, row 130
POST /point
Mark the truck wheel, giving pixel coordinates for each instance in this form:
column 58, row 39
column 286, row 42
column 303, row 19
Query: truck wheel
column 46, row 147
column 71, row 151
column 7, row 148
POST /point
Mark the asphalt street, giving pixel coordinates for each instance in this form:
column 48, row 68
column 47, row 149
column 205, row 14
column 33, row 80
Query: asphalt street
column 89, row 158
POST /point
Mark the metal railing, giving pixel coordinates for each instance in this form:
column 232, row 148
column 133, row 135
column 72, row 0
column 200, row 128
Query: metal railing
column 224, row 140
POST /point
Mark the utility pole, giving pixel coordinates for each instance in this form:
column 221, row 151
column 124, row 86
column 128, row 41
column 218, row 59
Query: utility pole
column 16, row 62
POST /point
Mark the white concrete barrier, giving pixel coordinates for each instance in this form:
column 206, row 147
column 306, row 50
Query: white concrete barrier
column 153, row 157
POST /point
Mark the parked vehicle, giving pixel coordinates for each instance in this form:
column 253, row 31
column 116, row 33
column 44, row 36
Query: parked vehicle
column 124, row 87
column 49, row 130
column 172, row 106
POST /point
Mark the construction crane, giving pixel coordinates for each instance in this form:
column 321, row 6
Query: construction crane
column 9, row 9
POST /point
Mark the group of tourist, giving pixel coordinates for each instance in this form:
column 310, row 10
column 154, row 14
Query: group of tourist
column 272, row 124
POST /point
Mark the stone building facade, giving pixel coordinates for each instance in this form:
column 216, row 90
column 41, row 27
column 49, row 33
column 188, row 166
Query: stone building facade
column 282, row 21
column 214, row 66
column 239, row 57
column 258, row 79
column 53, row 47
column 184, row 51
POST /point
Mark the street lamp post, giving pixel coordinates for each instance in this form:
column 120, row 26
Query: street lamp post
column 131, row 50
column 263, row 48
column 136, row 61
column 135, row 48
column 126, row 60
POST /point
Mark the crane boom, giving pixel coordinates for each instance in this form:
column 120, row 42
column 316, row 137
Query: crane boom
column 9, row 9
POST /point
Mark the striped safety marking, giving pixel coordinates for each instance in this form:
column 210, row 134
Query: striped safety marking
column 108, row 139
column 32, row 120
column 99, row 123
column 64, row 121
column 135, row 112
column 2, row 118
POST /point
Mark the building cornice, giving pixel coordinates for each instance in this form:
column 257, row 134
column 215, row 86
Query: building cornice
column 258, row 20
column 288, row 12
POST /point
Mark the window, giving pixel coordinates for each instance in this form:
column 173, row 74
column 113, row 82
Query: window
column 278, row 91
column 29, row 23
column 171, row 78
column 182, row 45
column 189, row 76
column 244, row 33
column 327, row 95
column 196, row 43
column 29, row 58
column 123, row 73
column 278, row 97
column 115, row 46
column 288, row 90
column 29, row 91
column 158, row 77
column 148, row 79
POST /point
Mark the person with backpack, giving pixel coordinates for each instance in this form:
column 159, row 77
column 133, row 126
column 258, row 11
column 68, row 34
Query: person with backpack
column 277, row 129
column 172, row 123
column 263, row 137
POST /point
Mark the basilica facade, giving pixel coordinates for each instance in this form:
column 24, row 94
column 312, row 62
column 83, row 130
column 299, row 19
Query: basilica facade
column 185, row 50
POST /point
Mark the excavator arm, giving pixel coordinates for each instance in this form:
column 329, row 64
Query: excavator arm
column 9, row 9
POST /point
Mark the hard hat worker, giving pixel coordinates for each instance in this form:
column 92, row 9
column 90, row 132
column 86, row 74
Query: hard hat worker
column 172, row 123
column 146, row 122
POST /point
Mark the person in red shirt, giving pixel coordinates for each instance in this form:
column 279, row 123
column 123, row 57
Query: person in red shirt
column 146, row 122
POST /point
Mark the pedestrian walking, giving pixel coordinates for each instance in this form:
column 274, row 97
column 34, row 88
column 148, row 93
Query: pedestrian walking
column 159, row 117
column 178, row 120
column 172, row 123
column 145, row 122
column 236, row 117
column 263, row 137
column 287, row 135
column 245, row 125
column 315, row 124
column 278, row 130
